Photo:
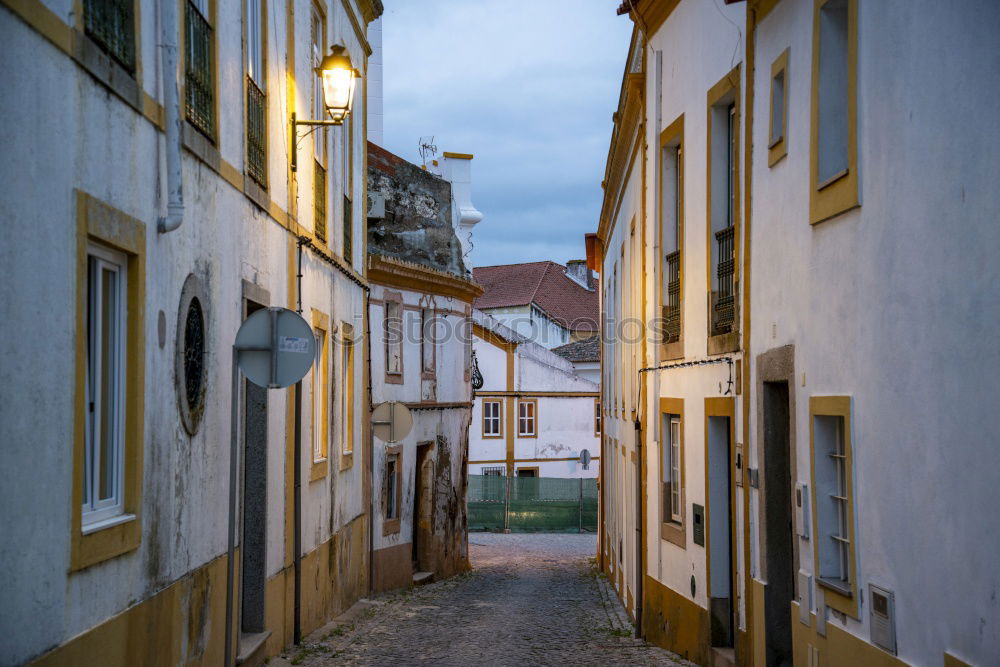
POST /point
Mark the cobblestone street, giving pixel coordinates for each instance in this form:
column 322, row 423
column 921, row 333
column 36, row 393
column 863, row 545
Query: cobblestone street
column 530, row 600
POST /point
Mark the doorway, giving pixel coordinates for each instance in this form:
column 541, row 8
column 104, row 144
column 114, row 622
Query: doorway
column 778, row 528
column 254, row 502
column 720, row 527
column 423, row 509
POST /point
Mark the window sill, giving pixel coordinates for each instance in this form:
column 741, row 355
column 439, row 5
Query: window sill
column 256, row 193
column 391, row 527
column 201, row 147
column 672, row 351
column 729, row 342
column 319, row 469
column 103, row 67
column 96, row 526
column 493, row 437
column 346, row 460
column 836, row 587
column 674, row 533
column 393, row 378
column 833, row 179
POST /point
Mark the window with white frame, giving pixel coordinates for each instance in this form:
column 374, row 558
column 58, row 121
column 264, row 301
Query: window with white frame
column 491, row 419
column 526, row 418
column 833, row 512
column 319, row 392
column 104, row 469
column 347, row 388
column 670, row 461
column 318, row 110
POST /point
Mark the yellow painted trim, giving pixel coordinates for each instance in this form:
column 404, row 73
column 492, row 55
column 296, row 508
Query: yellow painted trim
column 104, row 224
column 830, row 199
column 359, row 32
column 347, row 446
column 527, row 401
column 482, row 410
column 762, row 8
column 835, row 406
column 290, row 461
column 952, row 660
column 459, row 156
column 778, row 149
column 321, row 376
column 509, row 431
column 393, row 272
column 838, row 647
column 672, row 532
column 672, row 134
column 730, row 83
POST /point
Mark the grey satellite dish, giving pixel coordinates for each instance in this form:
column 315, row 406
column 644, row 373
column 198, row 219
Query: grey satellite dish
column 275, row 347
column 391, row 421
column 585, row 459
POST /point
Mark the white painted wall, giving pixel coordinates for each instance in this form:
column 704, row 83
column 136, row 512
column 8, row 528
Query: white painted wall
column 531, row 323
column 70, row 133
column 565, row 424
column 894, row 304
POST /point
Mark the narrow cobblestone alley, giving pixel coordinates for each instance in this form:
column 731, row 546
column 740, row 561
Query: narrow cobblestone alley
column 530, row 600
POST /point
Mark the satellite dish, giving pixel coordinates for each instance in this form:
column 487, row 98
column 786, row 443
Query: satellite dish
column 391, row 421
column 275, row 347
column 585, row 459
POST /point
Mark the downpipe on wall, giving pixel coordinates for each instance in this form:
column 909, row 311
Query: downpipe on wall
column 169, row 30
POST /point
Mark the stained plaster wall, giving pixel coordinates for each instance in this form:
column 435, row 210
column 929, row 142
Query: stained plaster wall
column 73, row 134
column 886, row 303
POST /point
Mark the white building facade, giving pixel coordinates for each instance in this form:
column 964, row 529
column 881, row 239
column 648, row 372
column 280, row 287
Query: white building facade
column 152, row 209
column 534, row 416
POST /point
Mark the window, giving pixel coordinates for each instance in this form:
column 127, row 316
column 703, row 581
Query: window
column 833, row 507
column 672, row 232
column 256, row 99
column 526, row 418
column 492, row 419
column 320, row 186
column 833, row 136
column 347, row 391
column 199, row 67
column 597, row 417
column 391, row 485
column 111, row 24
column 527, row 472
column 320, row 395
column 347, row 160
column 672, row 471
column 392, row 498
column 427, row 342
column 494, row 471
column 107, row 389
column 103, row 481
column 394, row 340
column 723, row 205
column 777, row 142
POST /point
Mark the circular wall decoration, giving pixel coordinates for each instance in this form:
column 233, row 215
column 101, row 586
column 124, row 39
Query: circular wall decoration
column 191, row 372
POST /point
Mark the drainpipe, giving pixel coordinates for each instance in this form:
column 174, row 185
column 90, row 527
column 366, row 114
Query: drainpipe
column 169, row 30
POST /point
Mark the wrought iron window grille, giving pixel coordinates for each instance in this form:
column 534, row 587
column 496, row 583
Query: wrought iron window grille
column 199, row 84
column 111, row 25
column 319, row 199
column 256, row 133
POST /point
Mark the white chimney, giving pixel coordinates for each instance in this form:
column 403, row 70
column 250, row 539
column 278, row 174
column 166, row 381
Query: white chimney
column 577, row 271
column 457, row 169
column 374, row 84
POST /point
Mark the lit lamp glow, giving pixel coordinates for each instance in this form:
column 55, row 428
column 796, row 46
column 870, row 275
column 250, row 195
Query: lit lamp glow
column 339, row 79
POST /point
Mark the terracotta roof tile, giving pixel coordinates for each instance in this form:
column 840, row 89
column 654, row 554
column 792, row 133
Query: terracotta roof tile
column 544, row 284
column 588, row 349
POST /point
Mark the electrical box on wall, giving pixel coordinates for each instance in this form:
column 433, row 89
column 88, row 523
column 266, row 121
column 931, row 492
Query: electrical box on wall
column 699, row 524
column 804, row 597
column 882, row 613
column 802, row 509
column 738, row 473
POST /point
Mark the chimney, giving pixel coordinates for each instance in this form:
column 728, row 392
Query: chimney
column 374, row 83
column 577, row 271
column 456, row 168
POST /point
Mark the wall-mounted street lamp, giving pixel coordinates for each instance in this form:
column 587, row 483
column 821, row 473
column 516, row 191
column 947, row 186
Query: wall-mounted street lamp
column 339, row 79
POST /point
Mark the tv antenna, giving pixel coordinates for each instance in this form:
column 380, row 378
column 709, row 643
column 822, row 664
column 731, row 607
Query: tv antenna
column 427, row 149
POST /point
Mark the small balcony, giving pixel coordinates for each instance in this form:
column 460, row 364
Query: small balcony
column 723, row 302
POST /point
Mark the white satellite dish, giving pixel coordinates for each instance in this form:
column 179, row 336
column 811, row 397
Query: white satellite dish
column 275, row 348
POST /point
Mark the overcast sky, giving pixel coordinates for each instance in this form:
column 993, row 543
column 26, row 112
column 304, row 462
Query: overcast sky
column 528, row 87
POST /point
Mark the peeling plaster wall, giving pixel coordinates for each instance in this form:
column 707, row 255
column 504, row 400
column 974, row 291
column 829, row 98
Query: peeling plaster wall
column 417, row 226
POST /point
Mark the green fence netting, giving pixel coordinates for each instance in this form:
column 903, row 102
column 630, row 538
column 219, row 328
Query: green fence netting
column 532, row 504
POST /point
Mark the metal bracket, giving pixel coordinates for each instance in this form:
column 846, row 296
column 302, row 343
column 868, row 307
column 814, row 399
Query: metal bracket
column 293, row 126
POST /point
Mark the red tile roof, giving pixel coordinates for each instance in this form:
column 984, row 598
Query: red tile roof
column 544, row 284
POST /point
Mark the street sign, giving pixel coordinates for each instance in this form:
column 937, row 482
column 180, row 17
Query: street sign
column 275, row 347
column 391, row 421
column 585, row 459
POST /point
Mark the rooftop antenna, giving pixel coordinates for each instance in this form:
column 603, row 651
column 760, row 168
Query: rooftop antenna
column 427, row 150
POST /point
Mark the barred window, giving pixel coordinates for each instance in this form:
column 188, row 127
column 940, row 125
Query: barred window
column 199, row 74
column 111, row 24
